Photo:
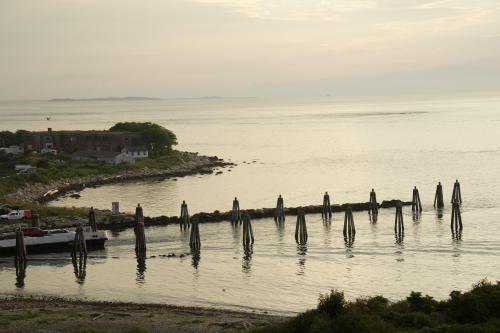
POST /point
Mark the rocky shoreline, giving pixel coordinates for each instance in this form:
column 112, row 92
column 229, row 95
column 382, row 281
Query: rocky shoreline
column 191, row 165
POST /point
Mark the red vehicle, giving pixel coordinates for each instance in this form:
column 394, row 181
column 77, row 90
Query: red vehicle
column 17, row 215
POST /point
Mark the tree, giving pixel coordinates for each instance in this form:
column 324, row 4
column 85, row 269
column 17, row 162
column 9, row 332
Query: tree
column 156, row 138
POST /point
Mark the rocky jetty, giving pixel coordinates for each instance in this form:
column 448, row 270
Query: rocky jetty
column 106, row 220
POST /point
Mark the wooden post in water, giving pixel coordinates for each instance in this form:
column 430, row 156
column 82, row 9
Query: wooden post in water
column 79, row 243
column 399, row 227
column 438, row 198
column 247, row 232
column 301, row 228
column 349, row 229
column 20, row 258
column 457, row 193
column 416, row 204
column 194, row 239
column 235, row 212
column 140, row 236
column 456, row 219
column 185, row 220
column 279, row 213
column 35, row 221
column 373, row 209
column 92, row 222
column 327, row 207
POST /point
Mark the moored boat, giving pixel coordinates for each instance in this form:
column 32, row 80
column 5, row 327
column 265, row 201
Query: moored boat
column 54, row 240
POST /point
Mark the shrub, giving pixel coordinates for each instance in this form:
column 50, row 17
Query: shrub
column 332, row 304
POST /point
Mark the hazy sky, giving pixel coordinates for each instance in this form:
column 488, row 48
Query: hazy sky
column 178, row 48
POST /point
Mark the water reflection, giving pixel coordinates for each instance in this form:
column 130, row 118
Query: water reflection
column 280, row 227
column 141, row 270
column 416, row 215
column 327, row 227
column 79, row 268
column 373, row 218
column 400, row 238
column 456, row 236
column 195, row 258
column 301, row 252
column 20, row 272
column 246, row 265
column 439, row 213
column 349, row 242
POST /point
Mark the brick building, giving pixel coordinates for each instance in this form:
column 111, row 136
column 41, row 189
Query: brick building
column 98, row 145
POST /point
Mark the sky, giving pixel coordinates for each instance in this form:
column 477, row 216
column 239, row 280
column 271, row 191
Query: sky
column 189, row 48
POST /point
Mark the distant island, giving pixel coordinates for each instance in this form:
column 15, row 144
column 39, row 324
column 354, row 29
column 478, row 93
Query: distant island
column 104, row 99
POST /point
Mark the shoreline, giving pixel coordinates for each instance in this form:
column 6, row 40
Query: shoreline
column 27, row 313
column 194, row 164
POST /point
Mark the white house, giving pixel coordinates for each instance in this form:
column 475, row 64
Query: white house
column 14, row 150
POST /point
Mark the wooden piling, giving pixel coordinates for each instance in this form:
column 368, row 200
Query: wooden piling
column 279, row 212
column 92, row 221
column 301, row 229
column 235, row 212
column 438, row 198
column 457, row 193
column 79, row 243
column 399, row 227
column 373, row 209
column 20, row 256
column 327, row 207
column 185, row 220
column 194, row 239
column 80, row 268
column 416, row 204
column 248, row 239
column 35, row 221
column 140, row 236
column 349, row 228
column 456, row 218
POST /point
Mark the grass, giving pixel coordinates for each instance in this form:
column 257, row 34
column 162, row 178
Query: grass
column 130, row 330
column 12, row 319
column 49, row 168
column 477, row 310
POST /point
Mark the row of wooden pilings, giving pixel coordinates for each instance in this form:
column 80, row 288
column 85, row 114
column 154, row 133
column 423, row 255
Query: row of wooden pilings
column 349, row 230
column 79, row 249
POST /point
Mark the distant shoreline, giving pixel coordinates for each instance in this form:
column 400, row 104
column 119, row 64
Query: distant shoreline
column 104, row 99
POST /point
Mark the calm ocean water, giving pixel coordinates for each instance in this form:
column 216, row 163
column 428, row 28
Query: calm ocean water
column 299, row 148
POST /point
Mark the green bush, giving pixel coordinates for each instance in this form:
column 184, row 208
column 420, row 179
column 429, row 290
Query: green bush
column 332, row 304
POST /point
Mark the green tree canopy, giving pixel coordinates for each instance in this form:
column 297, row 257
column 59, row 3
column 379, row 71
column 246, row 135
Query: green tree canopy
column 158, row 139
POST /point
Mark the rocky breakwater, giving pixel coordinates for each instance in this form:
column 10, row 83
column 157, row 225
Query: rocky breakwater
column 127, row 220
column 191, row 164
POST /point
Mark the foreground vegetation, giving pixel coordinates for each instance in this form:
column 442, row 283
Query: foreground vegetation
column 475, row 311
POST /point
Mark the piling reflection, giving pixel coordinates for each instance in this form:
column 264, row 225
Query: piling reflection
column 301, row 263
column 416, row 215
column 246, row 265
column 141, row 269
column 349, row 242
column 20, row 273
column 400, row 238
column 79, row 268
column 439, row 213
column 373, row 218
column 456, row 236
column 195, row 258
